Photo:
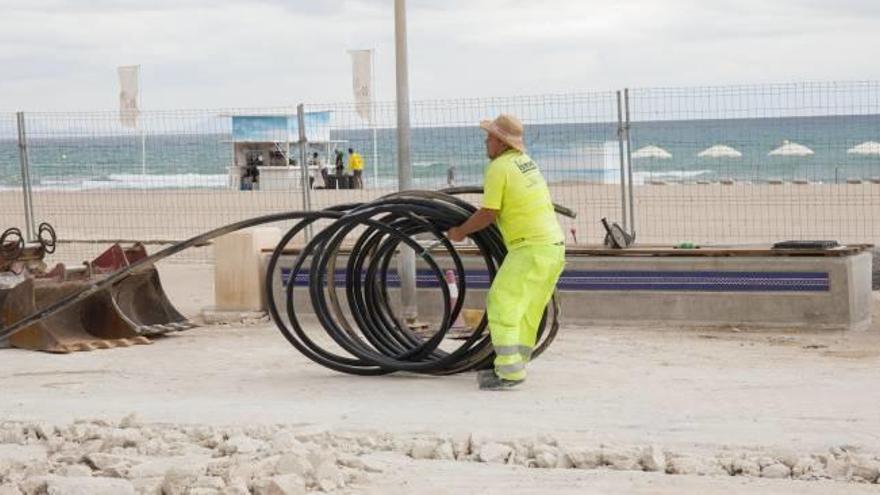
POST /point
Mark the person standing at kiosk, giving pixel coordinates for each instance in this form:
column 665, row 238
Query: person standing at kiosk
column 356, row 164
column 340, row 169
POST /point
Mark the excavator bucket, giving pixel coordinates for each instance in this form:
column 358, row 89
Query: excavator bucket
column 90, row 324
column 25, row 288
column 126, row 313
column 109, row 261
column 139, row 297
column 16, row 299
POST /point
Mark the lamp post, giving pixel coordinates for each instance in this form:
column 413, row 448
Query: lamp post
column 406, row 266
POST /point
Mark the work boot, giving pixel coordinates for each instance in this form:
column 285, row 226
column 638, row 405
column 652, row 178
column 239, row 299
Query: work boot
column 488, row 380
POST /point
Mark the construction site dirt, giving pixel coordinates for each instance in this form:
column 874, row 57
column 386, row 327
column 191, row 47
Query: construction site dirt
column 605, row 410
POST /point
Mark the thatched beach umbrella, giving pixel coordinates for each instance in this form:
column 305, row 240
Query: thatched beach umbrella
column 868, row 148
column 720, row 151
column 789, row 148
column 652, row 151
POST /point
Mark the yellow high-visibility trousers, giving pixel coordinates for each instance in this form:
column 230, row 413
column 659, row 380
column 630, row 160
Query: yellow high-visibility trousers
column 519, row 294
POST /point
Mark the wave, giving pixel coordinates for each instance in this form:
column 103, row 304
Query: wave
column 429, row 165
column 675, row 175
column 134, row 181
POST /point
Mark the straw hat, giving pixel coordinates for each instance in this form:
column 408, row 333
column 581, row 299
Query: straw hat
column 508, row 129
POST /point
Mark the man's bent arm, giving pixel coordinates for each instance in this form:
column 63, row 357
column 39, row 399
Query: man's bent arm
column 481, row 219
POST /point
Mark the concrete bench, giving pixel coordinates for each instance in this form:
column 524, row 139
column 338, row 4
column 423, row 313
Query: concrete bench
column 744, row 288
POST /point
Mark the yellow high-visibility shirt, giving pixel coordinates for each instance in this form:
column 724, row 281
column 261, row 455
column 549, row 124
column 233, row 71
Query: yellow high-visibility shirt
column 356, row 161
column 514, row 186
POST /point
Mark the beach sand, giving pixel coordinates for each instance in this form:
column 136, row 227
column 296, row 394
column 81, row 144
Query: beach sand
column 664, row 214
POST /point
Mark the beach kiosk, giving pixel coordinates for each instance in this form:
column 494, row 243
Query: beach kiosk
column 266, row 154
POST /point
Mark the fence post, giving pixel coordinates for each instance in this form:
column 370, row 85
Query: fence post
column 30, row 227
column 620, row 139
column 306, row 183
column 629, row 167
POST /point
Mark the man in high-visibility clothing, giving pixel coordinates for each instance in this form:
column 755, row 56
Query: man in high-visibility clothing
column 516, row 196
column 356, row 163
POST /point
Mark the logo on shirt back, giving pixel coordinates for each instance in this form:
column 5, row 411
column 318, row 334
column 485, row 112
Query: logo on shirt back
column 526, row 167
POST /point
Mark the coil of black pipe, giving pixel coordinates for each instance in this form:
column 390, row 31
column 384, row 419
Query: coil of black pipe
column 369, row 337
column 373, row 337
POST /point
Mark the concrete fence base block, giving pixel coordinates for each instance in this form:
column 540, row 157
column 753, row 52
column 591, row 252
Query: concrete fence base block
column 238, row 281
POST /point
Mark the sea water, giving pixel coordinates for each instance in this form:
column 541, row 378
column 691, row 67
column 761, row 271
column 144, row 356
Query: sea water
column 567, row 152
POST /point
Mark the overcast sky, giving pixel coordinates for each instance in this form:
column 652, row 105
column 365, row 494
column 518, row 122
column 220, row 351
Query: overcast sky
column 62, row 55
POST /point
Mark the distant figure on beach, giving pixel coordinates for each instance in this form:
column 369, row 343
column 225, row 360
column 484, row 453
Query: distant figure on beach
column 325, row 171
column 316, row 162
column 356, row 164
column 450, row 176
column 340, row 164
column 250, row 181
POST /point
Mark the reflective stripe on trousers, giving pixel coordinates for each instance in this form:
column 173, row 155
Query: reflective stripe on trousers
column 522, row 350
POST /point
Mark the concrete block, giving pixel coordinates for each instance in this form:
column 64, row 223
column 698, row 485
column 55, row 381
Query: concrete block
column 238, row 284
column 858, row 292
column 844, row 305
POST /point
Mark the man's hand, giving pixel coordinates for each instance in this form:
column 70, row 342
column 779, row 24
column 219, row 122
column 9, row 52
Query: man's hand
column 481, row 219
column 456, row 234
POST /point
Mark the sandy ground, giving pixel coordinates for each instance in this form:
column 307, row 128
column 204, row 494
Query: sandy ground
column 446, row 477
column 706, row 214
column 693, row 392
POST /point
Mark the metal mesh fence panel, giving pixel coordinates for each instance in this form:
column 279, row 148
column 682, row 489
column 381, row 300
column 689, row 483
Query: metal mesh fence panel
column 572, row 138
column 180, row 173
column 733, row 164
column 174, row 176
column 11, row 196
column 754, row 164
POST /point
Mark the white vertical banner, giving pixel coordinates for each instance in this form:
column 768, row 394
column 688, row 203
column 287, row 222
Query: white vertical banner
column 362, row 85
column 128, row 95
